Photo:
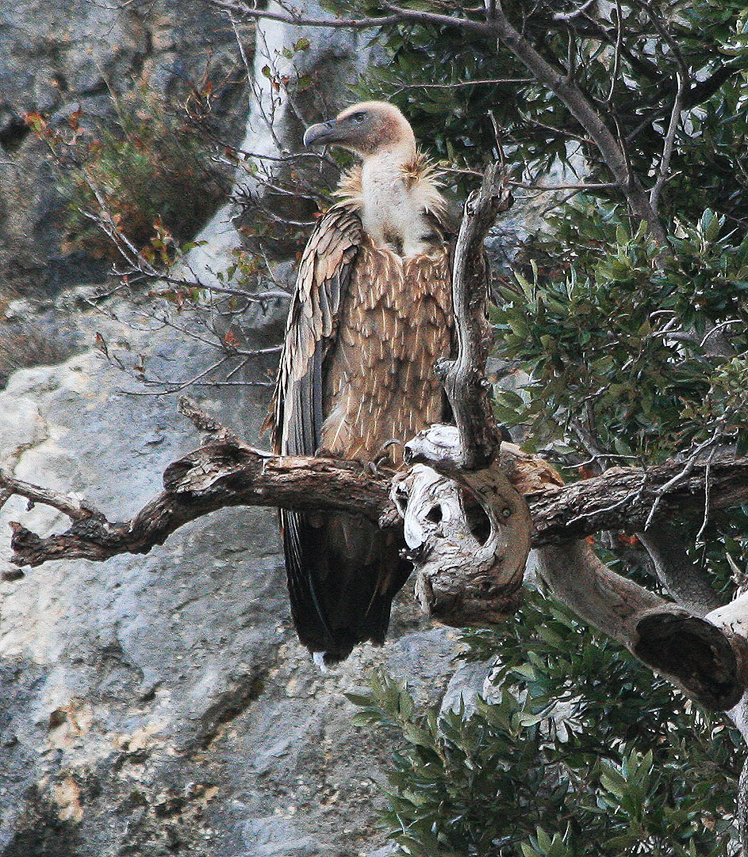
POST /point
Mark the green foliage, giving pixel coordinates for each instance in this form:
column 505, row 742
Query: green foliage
column 634, row 352
column 595, row 328
column 569, row 757
column 450, row 82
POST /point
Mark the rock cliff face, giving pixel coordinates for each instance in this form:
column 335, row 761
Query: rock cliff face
column 157, row 704
column 60, row 55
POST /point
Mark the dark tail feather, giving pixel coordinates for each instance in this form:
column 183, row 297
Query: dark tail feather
column 343, row 573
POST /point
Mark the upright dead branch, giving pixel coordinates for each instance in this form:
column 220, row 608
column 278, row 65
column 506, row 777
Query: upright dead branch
column 464, row 377
column 467, row 529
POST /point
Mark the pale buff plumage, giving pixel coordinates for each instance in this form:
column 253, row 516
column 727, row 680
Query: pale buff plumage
column 370, row 316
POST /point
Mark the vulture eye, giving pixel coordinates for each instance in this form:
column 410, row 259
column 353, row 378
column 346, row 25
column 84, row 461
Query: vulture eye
column 358, row 117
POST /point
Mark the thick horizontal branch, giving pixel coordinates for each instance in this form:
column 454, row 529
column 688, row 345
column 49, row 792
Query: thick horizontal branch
column 216, row 476
column 622, row 498
column 232, row 474
column 706, row 658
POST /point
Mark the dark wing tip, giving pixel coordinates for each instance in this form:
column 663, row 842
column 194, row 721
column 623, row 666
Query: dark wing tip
column 339, row 601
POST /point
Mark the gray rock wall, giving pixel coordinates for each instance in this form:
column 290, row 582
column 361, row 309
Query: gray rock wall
column 58, row 55
column 160, row 704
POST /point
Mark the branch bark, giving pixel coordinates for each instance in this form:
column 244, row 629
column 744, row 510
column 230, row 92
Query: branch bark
column 223, row 474
column 464, row 377
column 622, row 498
column 467, row 527
column 706, row 661
column 589, row 118
column 468, row 531
column 215, row 476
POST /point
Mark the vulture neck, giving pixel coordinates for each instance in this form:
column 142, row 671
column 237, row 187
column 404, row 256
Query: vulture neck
column 395, row 199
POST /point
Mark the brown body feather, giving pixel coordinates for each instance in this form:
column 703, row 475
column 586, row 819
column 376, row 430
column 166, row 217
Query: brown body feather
column 379, row 380
column 365, row 329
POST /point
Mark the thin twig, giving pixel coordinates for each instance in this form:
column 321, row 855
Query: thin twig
column 682, row 475
column 75, row 509
column 717, row 328
column 569, row 16
column 460, row 84
column 301, row 20
column 667, row 149
column 616, row 52
column 707, row 498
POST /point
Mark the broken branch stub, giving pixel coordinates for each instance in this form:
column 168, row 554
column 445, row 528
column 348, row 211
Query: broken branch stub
column 468, row 532
column 701, row 656
column 709, row 662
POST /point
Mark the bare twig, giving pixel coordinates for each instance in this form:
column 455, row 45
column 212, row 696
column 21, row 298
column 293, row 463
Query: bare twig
column 75, row 509
column 616, row 52
column 575, row 13
column 247, row 11
column 667, row 149
column 684, row 473
column 707, row 499
column 717, row 328
column 462, row 84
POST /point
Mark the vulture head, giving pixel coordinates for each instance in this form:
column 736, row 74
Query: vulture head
column 368, row 128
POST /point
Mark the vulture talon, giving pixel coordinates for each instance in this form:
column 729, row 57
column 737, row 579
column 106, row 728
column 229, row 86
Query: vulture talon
column 381, row 456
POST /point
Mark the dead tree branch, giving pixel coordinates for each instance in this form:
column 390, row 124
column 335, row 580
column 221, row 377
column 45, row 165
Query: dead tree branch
column 466, row 568
column 706, row 657
column 464, row 377
column 468, row 532
column 227, row 473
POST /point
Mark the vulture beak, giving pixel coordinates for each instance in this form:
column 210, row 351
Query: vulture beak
column 322, row 134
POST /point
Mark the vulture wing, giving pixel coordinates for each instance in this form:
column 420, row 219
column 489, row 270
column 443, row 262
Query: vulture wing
column 322, row 281
column 342, row 570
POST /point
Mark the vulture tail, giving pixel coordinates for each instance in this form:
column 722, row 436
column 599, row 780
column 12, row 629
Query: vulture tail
column 343, row 573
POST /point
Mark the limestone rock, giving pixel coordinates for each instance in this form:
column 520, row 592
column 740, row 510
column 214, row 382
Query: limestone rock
column 160, row 704
column 60, row 55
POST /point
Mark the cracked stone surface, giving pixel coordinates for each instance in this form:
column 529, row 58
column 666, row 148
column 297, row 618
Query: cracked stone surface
column 160, row 704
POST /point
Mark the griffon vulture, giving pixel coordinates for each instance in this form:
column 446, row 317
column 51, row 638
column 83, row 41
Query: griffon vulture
column 371, row 313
